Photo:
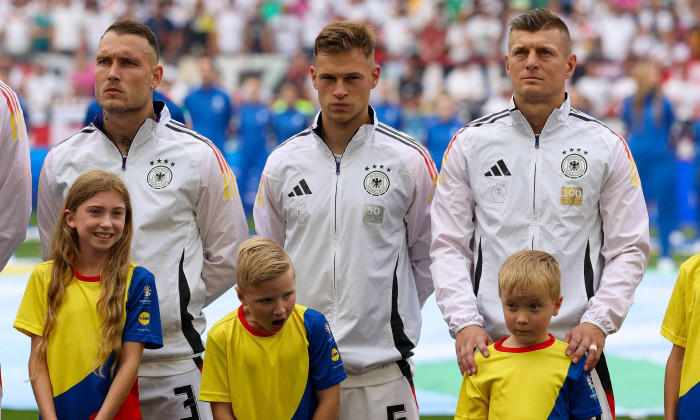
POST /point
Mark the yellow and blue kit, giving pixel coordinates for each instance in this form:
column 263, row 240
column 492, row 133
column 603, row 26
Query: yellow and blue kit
column 535, row 382
column 271, row 376
column 678, row 326
column 71, row 353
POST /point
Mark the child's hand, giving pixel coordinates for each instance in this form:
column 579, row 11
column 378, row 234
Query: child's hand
column 468, row 340
column 585, row 337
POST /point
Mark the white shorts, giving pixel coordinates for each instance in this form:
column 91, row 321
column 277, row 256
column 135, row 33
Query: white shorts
column 173, row 397
column 381, row 393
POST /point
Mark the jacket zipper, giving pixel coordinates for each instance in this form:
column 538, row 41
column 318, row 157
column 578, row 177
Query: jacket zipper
column 534, row 191
column 334, row 244
column 335, row 237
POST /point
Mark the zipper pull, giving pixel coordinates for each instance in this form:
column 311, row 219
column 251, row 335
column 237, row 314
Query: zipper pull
column 537, row 141
column 337, row 167
column 123, row 163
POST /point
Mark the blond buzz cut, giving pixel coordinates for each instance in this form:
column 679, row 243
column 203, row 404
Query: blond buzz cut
column 261, row 259
column 530, row 272
column 540, row 19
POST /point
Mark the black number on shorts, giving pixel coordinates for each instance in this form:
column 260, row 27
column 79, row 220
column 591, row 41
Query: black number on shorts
column 393, row 410
column 190, row 402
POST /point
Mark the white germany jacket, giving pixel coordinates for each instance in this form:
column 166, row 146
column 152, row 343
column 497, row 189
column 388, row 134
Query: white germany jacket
column 572, row 191
column 15, row 175
column 358, row 233
column 188, row 218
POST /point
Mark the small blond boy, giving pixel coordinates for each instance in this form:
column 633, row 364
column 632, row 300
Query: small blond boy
column 528, row 375
column 271, row 358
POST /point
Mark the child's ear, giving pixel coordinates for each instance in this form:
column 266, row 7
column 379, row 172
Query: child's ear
column 557, row 305
column 241, row 296
column 70, row 218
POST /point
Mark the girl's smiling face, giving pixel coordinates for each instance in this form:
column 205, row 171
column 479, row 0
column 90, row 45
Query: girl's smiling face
column 99, row 221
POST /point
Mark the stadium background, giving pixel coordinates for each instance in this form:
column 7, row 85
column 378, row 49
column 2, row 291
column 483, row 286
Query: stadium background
column 442, row 65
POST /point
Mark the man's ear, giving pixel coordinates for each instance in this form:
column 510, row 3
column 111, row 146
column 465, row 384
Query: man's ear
column 156, row 76
column 314, row 82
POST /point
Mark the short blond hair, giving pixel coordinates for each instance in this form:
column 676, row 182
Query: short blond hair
column 343, row 36
column 540, row 19
column 261, row 259
column 530, row 271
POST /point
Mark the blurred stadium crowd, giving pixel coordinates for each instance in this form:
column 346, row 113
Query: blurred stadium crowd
column 239, row 71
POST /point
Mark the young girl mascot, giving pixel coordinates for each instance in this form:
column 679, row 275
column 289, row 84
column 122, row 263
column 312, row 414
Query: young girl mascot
column 90, row 311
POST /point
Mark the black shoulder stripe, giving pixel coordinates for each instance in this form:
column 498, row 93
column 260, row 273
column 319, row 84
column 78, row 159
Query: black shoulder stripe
column 401, row 136
column 487, row 117
column 584, row 117
column 397, row 132
column 493, row 118
column 178, row 123
column 190, row 132
column 301, row 134
column 408, row 141
column 414, row 144
column 87, row 130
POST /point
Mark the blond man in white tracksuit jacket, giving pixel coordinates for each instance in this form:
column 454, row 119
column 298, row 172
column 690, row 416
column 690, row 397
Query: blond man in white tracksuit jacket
column 349, row 199
column 539, row 175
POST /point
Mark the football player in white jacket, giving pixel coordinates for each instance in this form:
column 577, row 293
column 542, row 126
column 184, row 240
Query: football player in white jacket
column 349, row 199
column 539, row 175
column 188, row 217
column 15, row 177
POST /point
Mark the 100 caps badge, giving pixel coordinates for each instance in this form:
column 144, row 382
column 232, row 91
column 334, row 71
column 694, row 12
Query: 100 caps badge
column 159, row 177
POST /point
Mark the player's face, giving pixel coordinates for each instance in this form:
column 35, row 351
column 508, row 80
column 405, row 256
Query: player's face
column 344, row 82
column 99, row 221
column 528, row 315
column 268, row 304
column 538, row 64
column 126, row 73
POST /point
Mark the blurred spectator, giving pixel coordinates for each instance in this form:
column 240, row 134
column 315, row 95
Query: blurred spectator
column 200, row 31
column 286, row 32
column 615, row 32
column 169, row 37
column 595, row 88
column 230, row 22
column 468, row 85
column 253, row 133
column 41, row 27
column 97, row 20
column 485, row 30
column 209, row 106
column 67, row 20
column 441, row 127
column 386, row 104
column 82, row 75
column 290, row 113
column 15, row 30
column 432, row 48
column 649, row 118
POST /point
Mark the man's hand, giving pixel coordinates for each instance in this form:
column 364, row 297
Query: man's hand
column 580, row 339
column 469, row 339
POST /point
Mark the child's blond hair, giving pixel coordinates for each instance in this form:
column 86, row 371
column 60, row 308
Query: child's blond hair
column 261, row 259
column 530, row 271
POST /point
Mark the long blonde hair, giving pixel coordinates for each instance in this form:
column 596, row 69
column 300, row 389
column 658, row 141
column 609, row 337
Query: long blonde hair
column 113, row 275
